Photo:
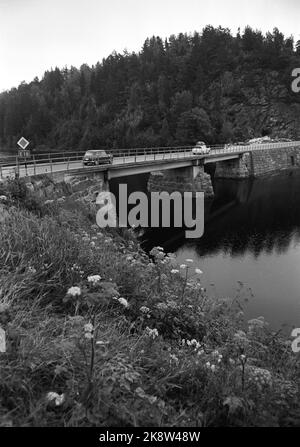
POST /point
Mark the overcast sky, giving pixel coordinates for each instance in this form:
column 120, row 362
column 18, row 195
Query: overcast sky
column 36, row 35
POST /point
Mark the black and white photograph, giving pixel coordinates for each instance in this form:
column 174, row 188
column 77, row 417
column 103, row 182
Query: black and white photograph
column 149, row 219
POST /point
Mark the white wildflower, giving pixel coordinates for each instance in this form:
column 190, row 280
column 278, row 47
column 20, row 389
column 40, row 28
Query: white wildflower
column 144, row 309
column 58, row 398
column 152, row 333
column 88, row 327
column 123, row 301
column 74, row 291
column 51, row 396
column 94, row 279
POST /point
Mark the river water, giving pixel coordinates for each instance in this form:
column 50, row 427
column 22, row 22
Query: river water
column 250, row 247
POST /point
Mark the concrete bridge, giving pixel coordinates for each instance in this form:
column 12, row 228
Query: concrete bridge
column 170, row 169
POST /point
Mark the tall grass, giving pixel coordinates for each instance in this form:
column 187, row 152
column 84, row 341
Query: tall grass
column 138, row 344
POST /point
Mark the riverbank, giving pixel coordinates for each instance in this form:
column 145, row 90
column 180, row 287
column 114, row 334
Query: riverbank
column 100, row 334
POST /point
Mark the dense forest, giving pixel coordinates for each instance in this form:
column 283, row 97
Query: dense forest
column 209, row 86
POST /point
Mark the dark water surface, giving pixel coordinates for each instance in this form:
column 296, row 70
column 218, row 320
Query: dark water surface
column 250, row 247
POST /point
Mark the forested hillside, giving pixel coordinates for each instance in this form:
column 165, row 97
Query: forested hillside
column 209, row 86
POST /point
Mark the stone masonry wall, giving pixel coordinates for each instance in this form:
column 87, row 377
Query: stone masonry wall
column 182, row 180
column 273, row 160
column 236, row 168
column 56, row 186
column 259, row 162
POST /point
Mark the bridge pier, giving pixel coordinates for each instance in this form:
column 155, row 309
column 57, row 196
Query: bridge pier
column 240, row 167
column 191, row 178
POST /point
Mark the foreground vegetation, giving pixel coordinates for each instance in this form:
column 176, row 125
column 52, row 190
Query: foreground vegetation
column 100, row 334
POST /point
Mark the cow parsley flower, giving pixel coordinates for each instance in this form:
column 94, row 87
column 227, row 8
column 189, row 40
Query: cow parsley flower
column 144, row 309
column 74, row 291
column 94, row 279
column 88, row 327
column 57, row 398
column 88, row 331
column 123, row 302
column 151, row 333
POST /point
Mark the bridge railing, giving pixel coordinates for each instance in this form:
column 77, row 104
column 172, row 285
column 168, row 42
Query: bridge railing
column 12, row 165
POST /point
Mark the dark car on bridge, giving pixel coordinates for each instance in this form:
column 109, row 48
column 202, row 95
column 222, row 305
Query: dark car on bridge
column 97, row 157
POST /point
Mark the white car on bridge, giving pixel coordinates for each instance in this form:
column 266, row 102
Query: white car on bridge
column 200, row 148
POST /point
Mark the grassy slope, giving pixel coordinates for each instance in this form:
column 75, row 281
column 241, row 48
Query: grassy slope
column 204, row 366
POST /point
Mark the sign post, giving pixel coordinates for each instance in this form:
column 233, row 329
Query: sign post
column 23, row 152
